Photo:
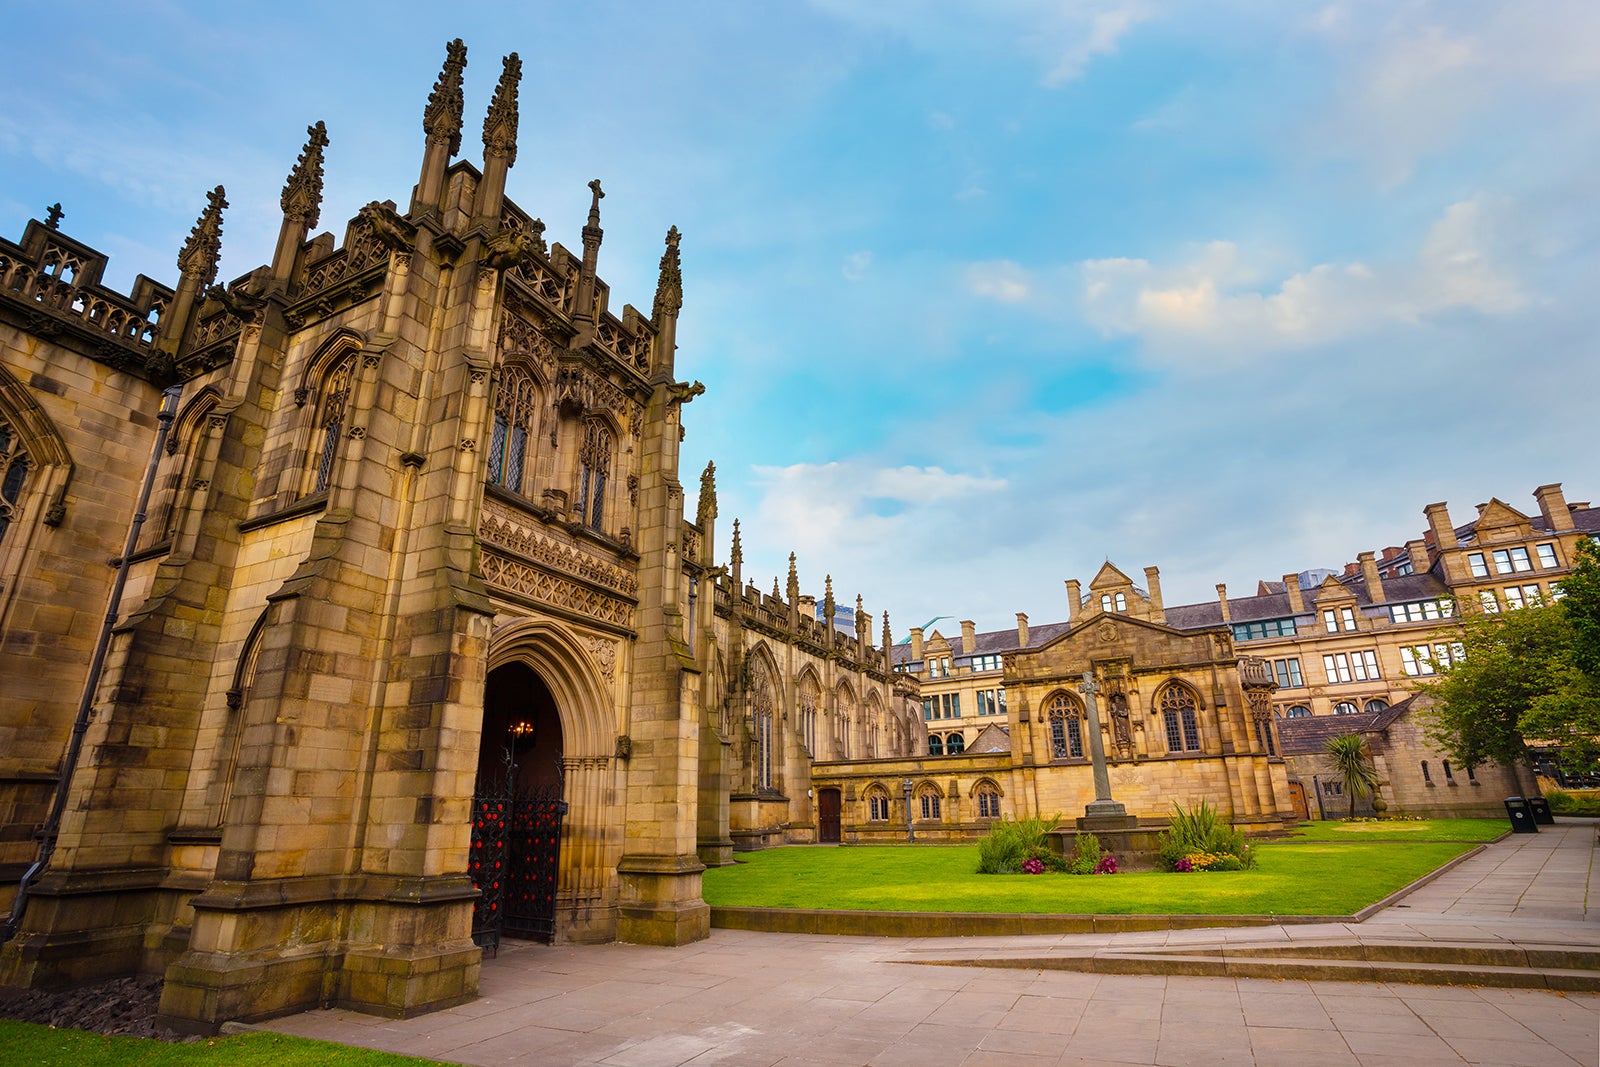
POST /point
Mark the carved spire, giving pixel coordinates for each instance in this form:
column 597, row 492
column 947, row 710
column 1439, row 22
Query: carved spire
column 736, row 561
column 441, row 119
column 776, row 593
column 887, row 633
column 302, row 193
column 200, row 253
column 794, row 581
column 706, row 509
column 827, row 599
column 669, row 288
column 859, row 612
column 500, row 124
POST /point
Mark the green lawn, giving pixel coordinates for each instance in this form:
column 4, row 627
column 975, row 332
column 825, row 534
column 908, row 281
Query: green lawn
column 1334, row 876
column 1474, row 830
column 44, row 1046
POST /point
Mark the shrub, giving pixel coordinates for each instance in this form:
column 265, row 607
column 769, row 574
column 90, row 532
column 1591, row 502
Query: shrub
column 1086, row 854
column 1576, row 802
column 1010, row 842
column 1199, row 833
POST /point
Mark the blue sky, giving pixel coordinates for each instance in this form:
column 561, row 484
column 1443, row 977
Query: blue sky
column 982, row 294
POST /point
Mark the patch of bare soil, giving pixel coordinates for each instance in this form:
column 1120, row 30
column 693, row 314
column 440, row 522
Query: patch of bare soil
column 122, row 1006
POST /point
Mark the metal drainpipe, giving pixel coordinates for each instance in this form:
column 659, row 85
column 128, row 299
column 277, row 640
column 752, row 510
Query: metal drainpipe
column 80, row 726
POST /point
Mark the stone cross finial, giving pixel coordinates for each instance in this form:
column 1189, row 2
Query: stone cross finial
column 706, row 509
column 594, row 201
column 53, row 213
column 441, row 118
column 200, row 253
column 302, row 192
column 500, row 124
column 669, row 287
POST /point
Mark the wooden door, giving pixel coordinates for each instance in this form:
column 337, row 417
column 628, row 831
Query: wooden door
column 828, row 816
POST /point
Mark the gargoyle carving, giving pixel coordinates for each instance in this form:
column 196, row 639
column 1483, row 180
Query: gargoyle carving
column 389, row 228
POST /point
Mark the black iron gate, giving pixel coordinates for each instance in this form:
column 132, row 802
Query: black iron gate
column 516, row 844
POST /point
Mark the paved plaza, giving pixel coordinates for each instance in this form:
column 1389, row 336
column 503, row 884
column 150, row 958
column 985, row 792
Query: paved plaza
column 795, row 1000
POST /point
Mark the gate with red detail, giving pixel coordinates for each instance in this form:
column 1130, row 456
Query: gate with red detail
column 516, row 847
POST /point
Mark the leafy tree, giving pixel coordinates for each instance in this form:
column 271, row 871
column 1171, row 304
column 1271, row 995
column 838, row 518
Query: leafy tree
column 1533, row 673
column 1348, row 752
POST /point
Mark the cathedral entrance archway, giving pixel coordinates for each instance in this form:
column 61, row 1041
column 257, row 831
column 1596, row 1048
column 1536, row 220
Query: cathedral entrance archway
column 518, row 808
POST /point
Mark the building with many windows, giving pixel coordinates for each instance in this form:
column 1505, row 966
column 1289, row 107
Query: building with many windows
column 1351, row 642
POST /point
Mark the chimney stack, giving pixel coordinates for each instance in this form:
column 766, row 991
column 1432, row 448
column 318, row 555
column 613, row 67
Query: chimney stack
column 1074, row 599
column 1553, row 506
column 1022, row 630
column 1369, row 571
column 1444, row 534
column 1152, row 580
column 1222, row 599
column 1291, row 585
column 969, row 637
column 916, row 642
column 1417, row 549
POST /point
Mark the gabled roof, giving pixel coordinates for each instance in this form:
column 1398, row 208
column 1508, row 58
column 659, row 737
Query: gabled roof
column 1309, row 736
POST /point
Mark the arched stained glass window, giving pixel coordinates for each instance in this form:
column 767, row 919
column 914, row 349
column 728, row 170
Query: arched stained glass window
column 516, row 422
column 1066, row 728
column 1180, row 717
column 14, row 464
column 332, row 413
column 594, row 463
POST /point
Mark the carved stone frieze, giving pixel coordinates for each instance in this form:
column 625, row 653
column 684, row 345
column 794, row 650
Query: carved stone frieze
column 518, row 336
column 501, row 525
column 605, row 654
column 541, row 585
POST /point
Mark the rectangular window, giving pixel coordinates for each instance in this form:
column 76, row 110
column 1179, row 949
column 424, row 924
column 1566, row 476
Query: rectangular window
column 1490, row 602
column 1288, row 672
column 1420, row 611
column 1416, row 660
column 927, row 709
column 1513, row 597
column 1255, row 631
column 1547, row 556
column 1364, row 665
column 986, row 663
column 1480, row 569
column 1556, row 592
column 1348, row 617
column 1337, row 667
column 1000, row 701
column 955, row 705
column 1330, row 621
column 1174, row 736
column 1520, row 561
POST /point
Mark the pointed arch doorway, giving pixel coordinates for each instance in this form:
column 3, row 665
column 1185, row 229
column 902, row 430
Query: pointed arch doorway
column 517, row 809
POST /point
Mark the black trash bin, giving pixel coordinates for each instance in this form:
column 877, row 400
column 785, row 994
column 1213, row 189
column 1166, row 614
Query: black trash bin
column 1521, row 816
column 1541, row 811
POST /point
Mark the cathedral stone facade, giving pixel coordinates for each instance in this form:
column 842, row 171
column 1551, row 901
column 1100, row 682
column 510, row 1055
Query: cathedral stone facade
column 415, row 628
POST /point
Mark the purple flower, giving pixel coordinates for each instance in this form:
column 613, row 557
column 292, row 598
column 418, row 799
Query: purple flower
column 1107, row 866
column 1033, row 866
column 1183, row 866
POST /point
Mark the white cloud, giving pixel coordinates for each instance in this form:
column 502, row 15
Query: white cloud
column 1104, row 32
column 1209, row 302
column 1001, row 280
column 856, row 265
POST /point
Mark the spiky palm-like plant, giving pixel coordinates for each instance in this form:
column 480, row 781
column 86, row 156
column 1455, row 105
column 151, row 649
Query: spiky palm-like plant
column 1353, row 767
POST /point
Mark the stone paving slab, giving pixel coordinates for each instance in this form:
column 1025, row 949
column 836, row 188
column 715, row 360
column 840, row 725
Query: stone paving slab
column 797, row 1000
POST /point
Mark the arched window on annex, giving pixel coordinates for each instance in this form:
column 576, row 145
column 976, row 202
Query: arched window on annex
column 1376, row 704
column 1297, row 711
column 986, row 797
column 935, row 745
column 955, row 743
column 1345, row 707
column 1179, row 709
column 809, row 695
column 327, row 392
column 513, row 440
column 1065, row 716
column 594, row 472
column 877, row 803
column 929, row 803
column 35, row 472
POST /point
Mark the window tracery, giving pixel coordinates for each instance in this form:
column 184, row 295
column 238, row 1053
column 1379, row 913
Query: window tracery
column 1066, row 728
column 14, row 467
column 332, row 413
column 988, row 798
column 516, row 422
column 594, row 461
column 1180, row 715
